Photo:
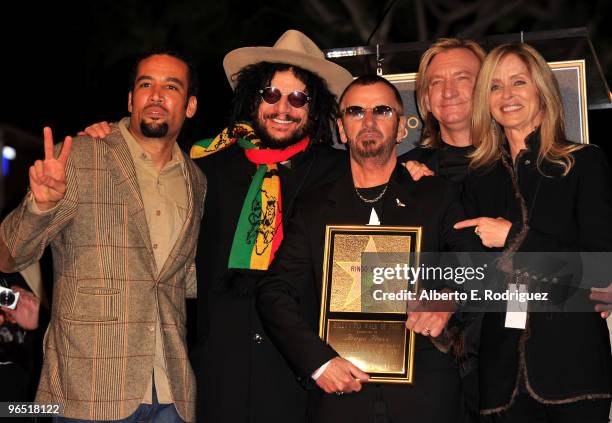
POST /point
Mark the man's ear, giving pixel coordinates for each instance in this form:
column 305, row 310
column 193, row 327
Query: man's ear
column 130, row 102
column 402, row 129
column 427, row 103
column 343, row 137
column 192, row 106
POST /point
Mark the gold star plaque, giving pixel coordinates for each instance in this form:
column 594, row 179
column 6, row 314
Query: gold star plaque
column 361, row 322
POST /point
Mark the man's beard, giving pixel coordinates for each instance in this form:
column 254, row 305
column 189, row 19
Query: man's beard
column 154, row 130
column 276, row 143
column 369, row 148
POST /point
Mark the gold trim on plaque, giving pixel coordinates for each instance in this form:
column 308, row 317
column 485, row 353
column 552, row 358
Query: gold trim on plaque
column 579, row 65
column 413, row 235
column 401, row 77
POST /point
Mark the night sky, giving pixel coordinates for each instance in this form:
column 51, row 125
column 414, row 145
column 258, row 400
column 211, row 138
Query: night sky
column 67, row 66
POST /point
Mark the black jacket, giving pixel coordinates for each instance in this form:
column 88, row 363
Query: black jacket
column 447, row 161
column 563, row 357
column 289, row 296
column 241, row 377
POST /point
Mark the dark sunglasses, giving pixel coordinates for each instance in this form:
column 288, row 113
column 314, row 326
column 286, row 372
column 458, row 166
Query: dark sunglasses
column 272, row 95
column 378, row 112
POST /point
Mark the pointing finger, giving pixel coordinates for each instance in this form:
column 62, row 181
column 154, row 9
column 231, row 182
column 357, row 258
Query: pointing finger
column 466, row 223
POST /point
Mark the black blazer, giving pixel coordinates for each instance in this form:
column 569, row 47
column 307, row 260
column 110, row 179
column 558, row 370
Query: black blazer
column 239, row 371
column 563, row 357
column 427, row 156
column 288, row 296
column 447, row 161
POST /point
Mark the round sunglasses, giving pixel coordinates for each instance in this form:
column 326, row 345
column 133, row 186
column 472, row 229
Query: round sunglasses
column 272, row 95
column 378, row 112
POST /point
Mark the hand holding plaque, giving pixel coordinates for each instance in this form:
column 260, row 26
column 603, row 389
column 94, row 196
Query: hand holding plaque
column 366, row 330
column 429, row 318
column 341, row 376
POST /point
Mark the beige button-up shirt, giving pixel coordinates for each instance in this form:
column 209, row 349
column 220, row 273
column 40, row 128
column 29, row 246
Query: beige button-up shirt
column 165, row 198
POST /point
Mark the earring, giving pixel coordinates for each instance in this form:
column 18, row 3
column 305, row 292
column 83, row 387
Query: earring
column 494, row 128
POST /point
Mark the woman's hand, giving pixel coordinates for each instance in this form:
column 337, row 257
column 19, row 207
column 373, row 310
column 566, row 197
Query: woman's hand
column 604, row 297
column 492, row 232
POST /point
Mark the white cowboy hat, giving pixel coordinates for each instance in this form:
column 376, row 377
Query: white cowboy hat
column 293, row 48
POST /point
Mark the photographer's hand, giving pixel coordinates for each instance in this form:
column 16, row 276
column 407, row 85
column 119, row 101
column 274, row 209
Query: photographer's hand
column 26, row 312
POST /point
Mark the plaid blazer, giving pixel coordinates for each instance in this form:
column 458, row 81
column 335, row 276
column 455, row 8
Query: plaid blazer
column 107, row 293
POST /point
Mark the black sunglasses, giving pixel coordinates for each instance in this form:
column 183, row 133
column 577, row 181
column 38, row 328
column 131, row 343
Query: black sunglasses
column 272, row 95
column 378, row 112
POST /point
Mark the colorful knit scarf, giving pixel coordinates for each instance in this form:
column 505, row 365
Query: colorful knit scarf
column 260, row 231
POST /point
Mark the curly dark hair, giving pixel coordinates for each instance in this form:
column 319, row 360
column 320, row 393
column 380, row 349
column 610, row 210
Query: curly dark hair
column 322, row 111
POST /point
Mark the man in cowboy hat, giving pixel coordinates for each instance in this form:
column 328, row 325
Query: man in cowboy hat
column 276, row 146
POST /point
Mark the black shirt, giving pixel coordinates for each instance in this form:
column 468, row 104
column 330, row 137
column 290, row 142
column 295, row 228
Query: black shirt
column 363, row 209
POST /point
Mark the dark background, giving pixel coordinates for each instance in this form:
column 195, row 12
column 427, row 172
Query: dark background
column 67, row 65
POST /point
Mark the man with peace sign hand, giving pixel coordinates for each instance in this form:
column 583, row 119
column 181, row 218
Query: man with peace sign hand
column 122, row 216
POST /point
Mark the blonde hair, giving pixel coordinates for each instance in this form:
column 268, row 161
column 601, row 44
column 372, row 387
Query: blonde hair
column 487, row 134
column 430, row 136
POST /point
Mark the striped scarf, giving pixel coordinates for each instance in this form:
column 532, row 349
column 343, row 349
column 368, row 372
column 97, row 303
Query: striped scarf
column 259, row 231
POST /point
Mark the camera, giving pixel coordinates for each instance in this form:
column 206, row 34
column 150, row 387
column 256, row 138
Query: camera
column 8, row 298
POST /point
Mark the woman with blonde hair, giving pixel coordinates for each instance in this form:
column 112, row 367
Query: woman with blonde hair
column 531, row 190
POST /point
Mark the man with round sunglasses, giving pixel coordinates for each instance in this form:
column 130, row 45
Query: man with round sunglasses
column 277, row 145
column 376, row 191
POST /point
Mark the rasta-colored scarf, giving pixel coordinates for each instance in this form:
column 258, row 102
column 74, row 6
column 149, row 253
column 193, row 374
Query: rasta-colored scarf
column 260, row 230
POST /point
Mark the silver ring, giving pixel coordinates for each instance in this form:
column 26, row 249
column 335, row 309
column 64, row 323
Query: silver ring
column 339, row 393
column 427, row 331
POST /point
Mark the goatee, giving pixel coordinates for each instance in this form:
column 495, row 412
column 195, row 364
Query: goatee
column 368, row 148
column 154, row 130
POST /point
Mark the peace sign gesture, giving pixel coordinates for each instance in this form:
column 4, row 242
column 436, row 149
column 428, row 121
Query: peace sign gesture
column 48, row 176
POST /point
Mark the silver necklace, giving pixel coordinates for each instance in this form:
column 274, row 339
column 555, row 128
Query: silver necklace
column 373, row 200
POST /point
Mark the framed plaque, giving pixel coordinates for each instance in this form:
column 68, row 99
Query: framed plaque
column 571, row 77
column 355, row 320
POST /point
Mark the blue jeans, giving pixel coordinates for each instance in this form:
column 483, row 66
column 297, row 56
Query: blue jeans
column 145, row 413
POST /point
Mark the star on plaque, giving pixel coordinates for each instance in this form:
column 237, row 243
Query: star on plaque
column 353, row 269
